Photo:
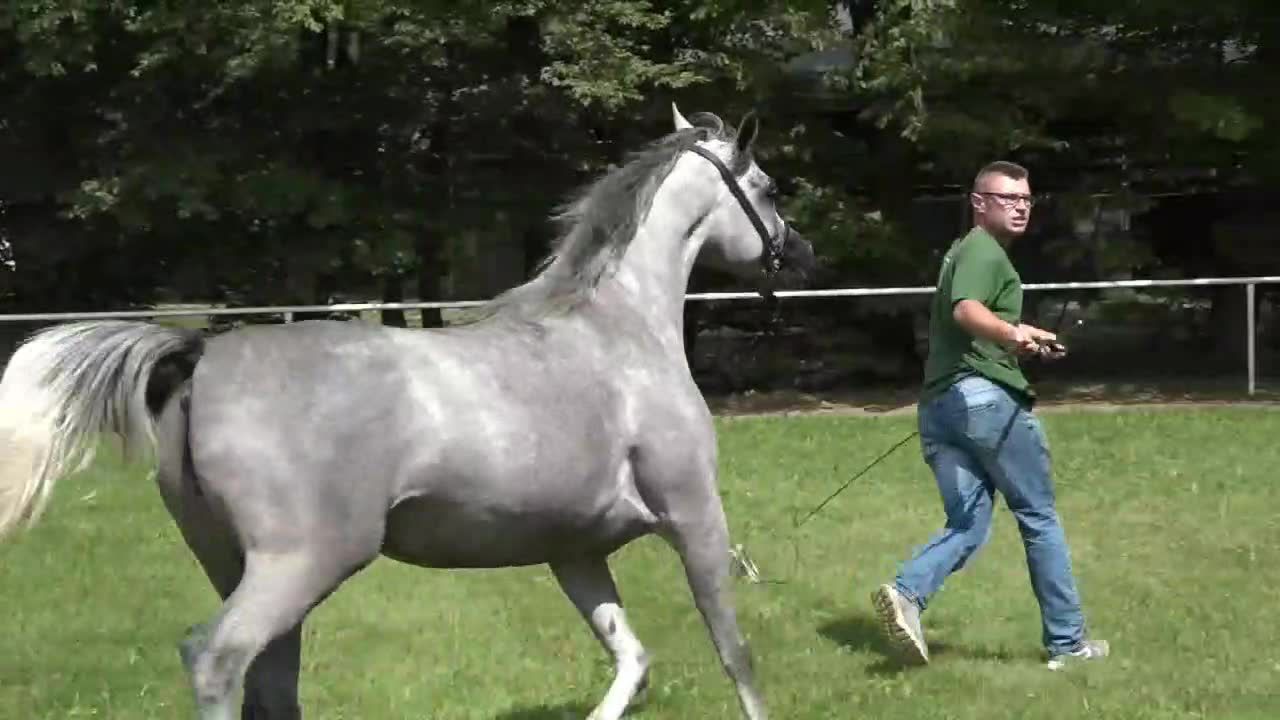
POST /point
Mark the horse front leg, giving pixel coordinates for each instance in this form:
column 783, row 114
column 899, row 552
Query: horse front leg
column 700, row 535
column 590, row 586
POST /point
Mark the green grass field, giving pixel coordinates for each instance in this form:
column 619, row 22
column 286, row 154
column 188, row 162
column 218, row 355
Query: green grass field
column 1174, row 520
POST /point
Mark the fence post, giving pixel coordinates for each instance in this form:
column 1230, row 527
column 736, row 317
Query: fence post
column 1250, row 290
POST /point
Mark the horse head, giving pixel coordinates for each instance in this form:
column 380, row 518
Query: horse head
column 744, row 233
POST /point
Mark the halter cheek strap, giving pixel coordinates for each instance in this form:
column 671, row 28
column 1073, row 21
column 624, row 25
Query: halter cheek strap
column 771, row 258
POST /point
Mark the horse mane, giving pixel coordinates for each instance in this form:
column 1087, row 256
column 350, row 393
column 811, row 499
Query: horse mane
column 598, row 223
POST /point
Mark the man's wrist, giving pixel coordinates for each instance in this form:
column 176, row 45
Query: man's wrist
column 1013, row 335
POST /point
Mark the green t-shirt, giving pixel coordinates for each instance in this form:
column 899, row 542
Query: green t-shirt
column 976, row 267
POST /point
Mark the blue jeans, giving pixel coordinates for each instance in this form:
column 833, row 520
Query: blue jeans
column 979, row 439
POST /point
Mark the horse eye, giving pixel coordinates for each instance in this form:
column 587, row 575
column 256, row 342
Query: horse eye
column 771, row 189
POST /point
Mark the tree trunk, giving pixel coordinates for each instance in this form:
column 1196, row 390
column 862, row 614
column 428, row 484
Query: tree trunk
column 393, row 292
column 430, row 270
column 325, row 287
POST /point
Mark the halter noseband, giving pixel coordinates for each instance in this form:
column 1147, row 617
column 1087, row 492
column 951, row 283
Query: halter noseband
column 771, row 257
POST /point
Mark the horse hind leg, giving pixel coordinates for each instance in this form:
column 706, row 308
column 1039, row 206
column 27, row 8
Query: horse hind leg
column 701, row 538
column 274, row 596
column 590, row 586
column 271, row 684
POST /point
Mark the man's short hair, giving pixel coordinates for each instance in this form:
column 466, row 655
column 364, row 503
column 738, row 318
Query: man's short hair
column 1011, row 170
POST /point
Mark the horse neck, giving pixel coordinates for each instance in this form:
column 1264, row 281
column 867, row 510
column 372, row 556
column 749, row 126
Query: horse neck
column 653, row 275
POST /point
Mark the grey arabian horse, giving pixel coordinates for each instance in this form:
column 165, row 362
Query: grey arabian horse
column 556, row 428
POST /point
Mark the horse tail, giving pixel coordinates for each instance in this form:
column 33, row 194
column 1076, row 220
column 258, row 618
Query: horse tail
column 67, row 384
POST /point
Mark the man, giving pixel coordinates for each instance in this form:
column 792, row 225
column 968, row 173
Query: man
column 978, row 434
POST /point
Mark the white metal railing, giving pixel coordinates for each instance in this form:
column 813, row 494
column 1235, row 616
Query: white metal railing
column 1250, row 284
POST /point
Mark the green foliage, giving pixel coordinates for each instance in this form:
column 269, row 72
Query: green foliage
column 336, row 135
column 1001, row 76
column 600, row 49
column 258, row 145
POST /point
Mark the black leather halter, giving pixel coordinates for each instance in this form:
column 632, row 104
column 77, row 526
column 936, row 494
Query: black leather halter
column 771, row 257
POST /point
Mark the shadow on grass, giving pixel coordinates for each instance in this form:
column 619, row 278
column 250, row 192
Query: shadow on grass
column 563, row 711
column 571, row 711
column 862, row 633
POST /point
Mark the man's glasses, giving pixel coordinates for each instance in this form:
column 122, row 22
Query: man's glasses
column 1011, row 200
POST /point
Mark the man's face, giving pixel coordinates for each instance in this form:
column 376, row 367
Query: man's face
column 1002, row 205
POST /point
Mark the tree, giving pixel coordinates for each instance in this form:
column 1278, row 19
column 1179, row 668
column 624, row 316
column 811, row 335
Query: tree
column 276, row 151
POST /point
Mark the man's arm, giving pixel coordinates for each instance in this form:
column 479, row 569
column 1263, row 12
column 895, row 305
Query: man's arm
column 971, row 283
column 980, row 322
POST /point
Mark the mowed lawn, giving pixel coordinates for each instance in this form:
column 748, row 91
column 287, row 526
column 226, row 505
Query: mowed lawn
column 1173, row 516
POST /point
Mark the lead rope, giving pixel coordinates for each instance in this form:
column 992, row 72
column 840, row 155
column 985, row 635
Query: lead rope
column 744, row 566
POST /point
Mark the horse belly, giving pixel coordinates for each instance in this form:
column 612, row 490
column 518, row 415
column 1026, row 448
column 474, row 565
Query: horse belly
column 450, row 531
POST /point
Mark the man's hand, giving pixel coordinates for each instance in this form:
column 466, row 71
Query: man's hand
column 1053, row 351
column 1031, row 340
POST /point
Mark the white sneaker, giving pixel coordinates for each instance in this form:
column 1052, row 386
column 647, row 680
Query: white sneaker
column 1088, row 650
column 900, row 619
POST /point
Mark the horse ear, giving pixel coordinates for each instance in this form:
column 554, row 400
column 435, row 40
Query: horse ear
column 747, row 130
column 682, row 123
